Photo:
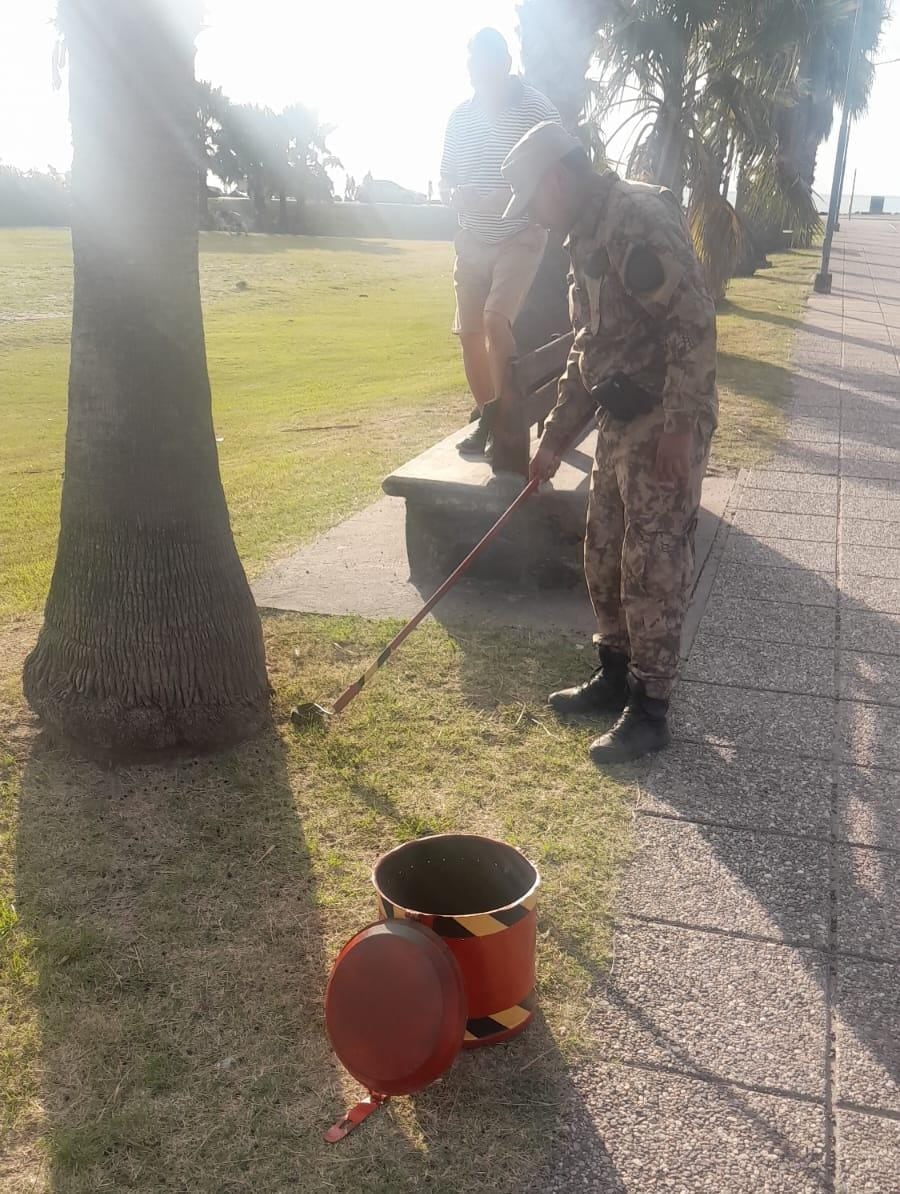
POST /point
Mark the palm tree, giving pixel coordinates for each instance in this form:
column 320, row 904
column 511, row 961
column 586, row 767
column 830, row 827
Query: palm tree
column 822, row 75
column 558, row 39
column 281, row 154
column 151, row 640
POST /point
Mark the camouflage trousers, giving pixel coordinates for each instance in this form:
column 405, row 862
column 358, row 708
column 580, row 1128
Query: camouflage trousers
column 639, row 545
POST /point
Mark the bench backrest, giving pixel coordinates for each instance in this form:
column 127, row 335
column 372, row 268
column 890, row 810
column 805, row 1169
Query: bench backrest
column 536, row 377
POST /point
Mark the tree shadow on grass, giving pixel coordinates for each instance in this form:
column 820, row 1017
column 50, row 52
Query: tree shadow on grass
column 178, row 941
column 180, row 973
column 758, row 379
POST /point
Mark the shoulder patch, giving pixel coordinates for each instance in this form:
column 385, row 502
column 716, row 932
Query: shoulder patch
column 643, row 271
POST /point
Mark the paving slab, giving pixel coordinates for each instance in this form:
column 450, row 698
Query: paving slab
column 779, row 553
column 864, row 467
column 871, row 561
column 768, row 525
column 819, row 430
column 787, row 501
column 868, row 1147
column 770, row 621
column 879, row 421
column 813, row 407
column 855, row 446
column 869, row 533
column 724, row 1007
column 859, row 487
column 752, row 789
column 870, row 593
column 663, row 1132
column 790, row 480
column 868, row 631
column 764, row 721
column 870, row 735
column 881, row 509
column 805, row 458
column 867, row 1033
column 797, row 585
column 879, row 426
column 711, row 878
column 866, row 676
column 868, row 808
column 761, row 664
column 869, row 900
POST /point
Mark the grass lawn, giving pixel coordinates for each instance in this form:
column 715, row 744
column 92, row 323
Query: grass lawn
column 166, row 933
column 331, row 362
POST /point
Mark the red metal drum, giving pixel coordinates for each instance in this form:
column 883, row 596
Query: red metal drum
column 479, row 896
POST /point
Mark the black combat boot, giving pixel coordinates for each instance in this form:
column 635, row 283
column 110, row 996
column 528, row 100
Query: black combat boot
column 642, row 729
column 476, row 442
column 605, row 692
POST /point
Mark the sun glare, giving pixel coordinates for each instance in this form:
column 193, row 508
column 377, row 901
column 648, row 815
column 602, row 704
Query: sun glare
column 386, row 76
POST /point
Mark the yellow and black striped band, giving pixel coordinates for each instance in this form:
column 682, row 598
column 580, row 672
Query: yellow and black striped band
column 496, row 1023
column 479, row 925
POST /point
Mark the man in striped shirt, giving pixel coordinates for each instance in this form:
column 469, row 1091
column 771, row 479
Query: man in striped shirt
column 496, row 258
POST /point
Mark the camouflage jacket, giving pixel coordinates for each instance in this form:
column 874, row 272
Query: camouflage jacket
column 639, row 306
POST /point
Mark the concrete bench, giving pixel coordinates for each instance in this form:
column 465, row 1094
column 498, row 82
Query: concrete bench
column 451, row 502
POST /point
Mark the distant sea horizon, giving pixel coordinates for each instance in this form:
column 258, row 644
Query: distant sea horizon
column 860, row 203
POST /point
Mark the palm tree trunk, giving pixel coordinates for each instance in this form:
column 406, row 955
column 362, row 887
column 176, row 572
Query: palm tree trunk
column 151, row 640
column 558, row 38
column 670, row 168
column 203, row 197
column 260, row 208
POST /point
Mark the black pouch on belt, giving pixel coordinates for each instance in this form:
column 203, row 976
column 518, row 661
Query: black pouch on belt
column 624, row 398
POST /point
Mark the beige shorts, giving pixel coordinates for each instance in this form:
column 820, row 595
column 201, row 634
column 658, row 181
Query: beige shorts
column 494, row 277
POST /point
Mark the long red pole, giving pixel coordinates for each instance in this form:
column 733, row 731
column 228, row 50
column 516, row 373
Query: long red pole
column 357, row 686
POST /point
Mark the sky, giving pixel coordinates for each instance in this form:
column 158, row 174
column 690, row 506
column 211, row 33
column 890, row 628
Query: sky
column 384, row 75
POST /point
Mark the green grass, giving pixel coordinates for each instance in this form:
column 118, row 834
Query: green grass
column 756, row 328
column 165, row 934
column 331, row 363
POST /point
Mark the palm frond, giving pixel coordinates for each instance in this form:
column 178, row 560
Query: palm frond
column 777, row 196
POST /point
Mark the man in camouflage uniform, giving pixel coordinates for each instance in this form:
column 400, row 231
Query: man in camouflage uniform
column 644, row 357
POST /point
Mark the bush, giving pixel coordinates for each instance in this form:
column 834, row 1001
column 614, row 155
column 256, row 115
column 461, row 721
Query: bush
column 29, row 198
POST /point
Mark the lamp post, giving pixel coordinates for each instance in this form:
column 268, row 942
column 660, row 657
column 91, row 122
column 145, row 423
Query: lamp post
column 822, row 283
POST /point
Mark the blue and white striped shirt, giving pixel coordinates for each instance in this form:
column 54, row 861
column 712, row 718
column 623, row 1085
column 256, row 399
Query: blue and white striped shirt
column 475, row 145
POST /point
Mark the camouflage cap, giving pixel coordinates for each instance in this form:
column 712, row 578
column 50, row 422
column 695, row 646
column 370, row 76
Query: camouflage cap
column 529, row 159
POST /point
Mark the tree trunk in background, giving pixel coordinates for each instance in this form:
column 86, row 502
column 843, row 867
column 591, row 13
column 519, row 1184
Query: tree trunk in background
column 558, row 38
column 151, row 639
column 669, row 170
column 203, row 198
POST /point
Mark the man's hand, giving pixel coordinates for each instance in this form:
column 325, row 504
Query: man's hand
column 544, row 463
column 673, row 457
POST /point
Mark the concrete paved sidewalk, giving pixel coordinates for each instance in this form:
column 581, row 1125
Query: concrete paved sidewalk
column 750, row 1024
